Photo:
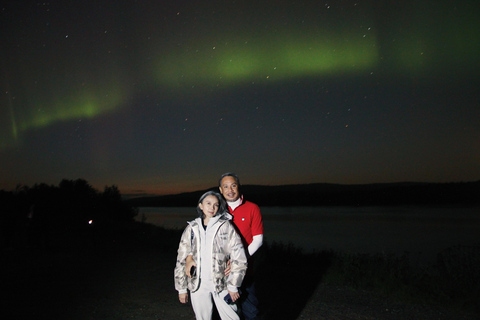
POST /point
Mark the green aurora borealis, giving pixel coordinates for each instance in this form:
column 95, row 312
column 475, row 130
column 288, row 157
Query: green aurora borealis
column 68, row 62
column 45, row 86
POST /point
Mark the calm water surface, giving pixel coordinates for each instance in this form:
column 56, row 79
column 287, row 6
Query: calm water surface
column 421, row 231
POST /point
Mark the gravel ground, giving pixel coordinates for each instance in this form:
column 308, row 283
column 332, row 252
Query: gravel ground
column 137, row 283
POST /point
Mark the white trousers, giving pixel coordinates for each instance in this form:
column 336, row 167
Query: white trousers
column 203, row 305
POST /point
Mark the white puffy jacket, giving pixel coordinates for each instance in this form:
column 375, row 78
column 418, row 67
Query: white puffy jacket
column 225, row 245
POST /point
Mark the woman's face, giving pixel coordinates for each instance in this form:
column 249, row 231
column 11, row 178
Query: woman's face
column 209, row 206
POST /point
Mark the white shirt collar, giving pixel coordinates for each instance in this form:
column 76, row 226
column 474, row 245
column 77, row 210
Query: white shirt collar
column 233, row 205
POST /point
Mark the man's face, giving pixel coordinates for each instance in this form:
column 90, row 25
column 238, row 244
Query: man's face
column 229, row 189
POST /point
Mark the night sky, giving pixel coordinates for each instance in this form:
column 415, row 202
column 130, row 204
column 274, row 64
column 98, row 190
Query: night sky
column 161, row 97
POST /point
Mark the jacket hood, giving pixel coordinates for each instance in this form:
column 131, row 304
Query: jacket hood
column 227, row 215
column 219, row 217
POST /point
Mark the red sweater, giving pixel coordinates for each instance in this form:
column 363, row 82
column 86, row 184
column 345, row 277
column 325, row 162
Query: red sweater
column 248, row 219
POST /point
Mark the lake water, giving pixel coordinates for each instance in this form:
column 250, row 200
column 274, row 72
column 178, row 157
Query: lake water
column 421, row 231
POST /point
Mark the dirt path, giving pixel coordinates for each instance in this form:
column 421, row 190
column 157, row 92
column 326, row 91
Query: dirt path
column 329, row 302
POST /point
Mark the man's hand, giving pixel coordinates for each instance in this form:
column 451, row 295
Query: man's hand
column 228, row 269
column 183, row 297
column 188, row 265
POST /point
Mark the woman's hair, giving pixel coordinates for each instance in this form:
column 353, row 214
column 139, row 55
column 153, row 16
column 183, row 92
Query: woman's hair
column 222, row 205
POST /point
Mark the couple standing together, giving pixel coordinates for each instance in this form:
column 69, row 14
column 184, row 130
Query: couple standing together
column 216, row 247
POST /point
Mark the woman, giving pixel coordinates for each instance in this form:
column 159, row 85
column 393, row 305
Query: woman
column 212, row 241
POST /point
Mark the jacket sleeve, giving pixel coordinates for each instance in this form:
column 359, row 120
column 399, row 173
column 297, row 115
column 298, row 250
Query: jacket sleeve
column 184, row 249
column 238, row 259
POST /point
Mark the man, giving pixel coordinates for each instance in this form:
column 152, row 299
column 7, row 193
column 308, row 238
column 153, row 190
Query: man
column 248, row 220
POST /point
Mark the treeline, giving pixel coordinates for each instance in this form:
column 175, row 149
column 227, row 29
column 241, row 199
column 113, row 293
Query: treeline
column 39, row 215
column 324, row 194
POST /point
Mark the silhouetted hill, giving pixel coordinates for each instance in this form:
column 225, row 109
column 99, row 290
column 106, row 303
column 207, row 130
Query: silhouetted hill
column 325, row 194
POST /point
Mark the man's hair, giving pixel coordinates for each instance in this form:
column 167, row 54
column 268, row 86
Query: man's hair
column 229, row 174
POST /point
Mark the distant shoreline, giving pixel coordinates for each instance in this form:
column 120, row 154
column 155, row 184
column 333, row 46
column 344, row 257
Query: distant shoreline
column 324, row 194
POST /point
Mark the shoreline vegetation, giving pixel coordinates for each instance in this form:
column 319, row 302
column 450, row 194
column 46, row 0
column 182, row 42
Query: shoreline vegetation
column 88, row 259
